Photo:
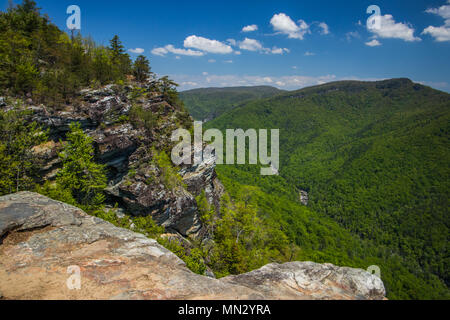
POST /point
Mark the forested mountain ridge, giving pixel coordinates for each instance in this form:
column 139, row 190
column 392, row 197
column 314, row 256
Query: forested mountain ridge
column 374, row 156
column 209, row 103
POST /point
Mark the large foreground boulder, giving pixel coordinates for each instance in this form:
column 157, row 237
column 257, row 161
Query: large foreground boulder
column 45, row 243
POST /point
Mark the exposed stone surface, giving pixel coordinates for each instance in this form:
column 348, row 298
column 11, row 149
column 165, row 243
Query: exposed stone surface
column 304, row 197
column 316, row 281
column 135, row 181
column 42, row 238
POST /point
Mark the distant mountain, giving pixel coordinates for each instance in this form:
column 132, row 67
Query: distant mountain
column 374, row 156
column 209, row 103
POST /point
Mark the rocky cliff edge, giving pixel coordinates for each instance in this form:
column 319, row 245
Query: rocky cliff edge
column 44, row 242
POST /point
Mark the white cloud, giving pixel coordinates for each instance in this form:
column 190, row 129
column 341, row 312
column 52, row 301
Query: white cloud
column 255, row 45
column 232, row 42
column 212, row 61
column 309, row 54
column 389, row 29
column 207, row 45
column 250, row 28
column 170, row 48
column 276, row 50
column 184, row 52
column 443, row 11
column 137, row 50
column 250, row 45
column 282, row 23
column 178, row 57
column 325, row 28
column 373, row 43
column 205, row 73
column 159, row 52
column 238, row 53
column 228, row 61
column 441, row 33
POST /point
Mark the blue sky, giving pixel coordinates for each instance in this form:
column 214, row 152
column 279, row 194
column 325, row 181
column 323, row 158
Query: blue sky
column 287, row 44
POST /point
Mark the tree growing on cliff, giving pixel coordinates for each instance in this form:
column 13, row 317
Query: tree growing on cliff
column 141, row 68
column 116, row 48
column 121, row 61
column 168, row 88
column 80, row 174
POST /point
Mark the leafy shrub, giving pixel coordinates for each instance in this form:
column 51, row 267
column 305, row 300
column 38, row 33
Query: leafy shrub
column 193, row 258
column 169, row 174
column 146, row 225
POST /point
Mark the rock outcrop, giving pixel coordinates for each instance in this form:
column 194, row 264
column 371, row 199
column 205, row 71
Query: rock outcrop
column 45, row 243
column 135, row 180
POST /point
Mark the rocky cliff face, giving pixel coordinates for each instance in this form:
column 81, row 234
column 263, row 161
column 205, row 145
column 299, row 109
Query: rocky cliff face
column 135, row 180
column 44, row 243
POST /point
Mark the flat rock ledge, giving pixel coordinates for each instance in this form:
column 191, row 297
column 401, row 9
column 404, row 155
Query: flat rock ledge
column 46, row 244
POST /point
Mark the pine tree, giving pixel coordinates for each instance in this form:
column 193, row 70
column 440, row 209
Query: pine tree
column 168, row 88
column 121, row 61
column 28, row 6
column 116, row 48
column 141, row 68
column 80, row 174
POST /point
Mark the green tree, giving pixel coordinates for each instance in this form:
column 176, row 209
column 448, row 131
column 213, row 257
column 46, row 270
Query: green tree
column 18, row 163
column 28, row 6
column 121, row 61
column 141, row 69
column 80, row 174
column 168, row 88
column 102, row 66
column 116, row 48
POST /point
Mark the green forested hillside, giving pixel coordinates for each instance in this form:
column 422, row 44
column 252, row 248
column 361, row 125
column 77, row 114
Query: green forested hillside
column 375, row 158
column 207, row 104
